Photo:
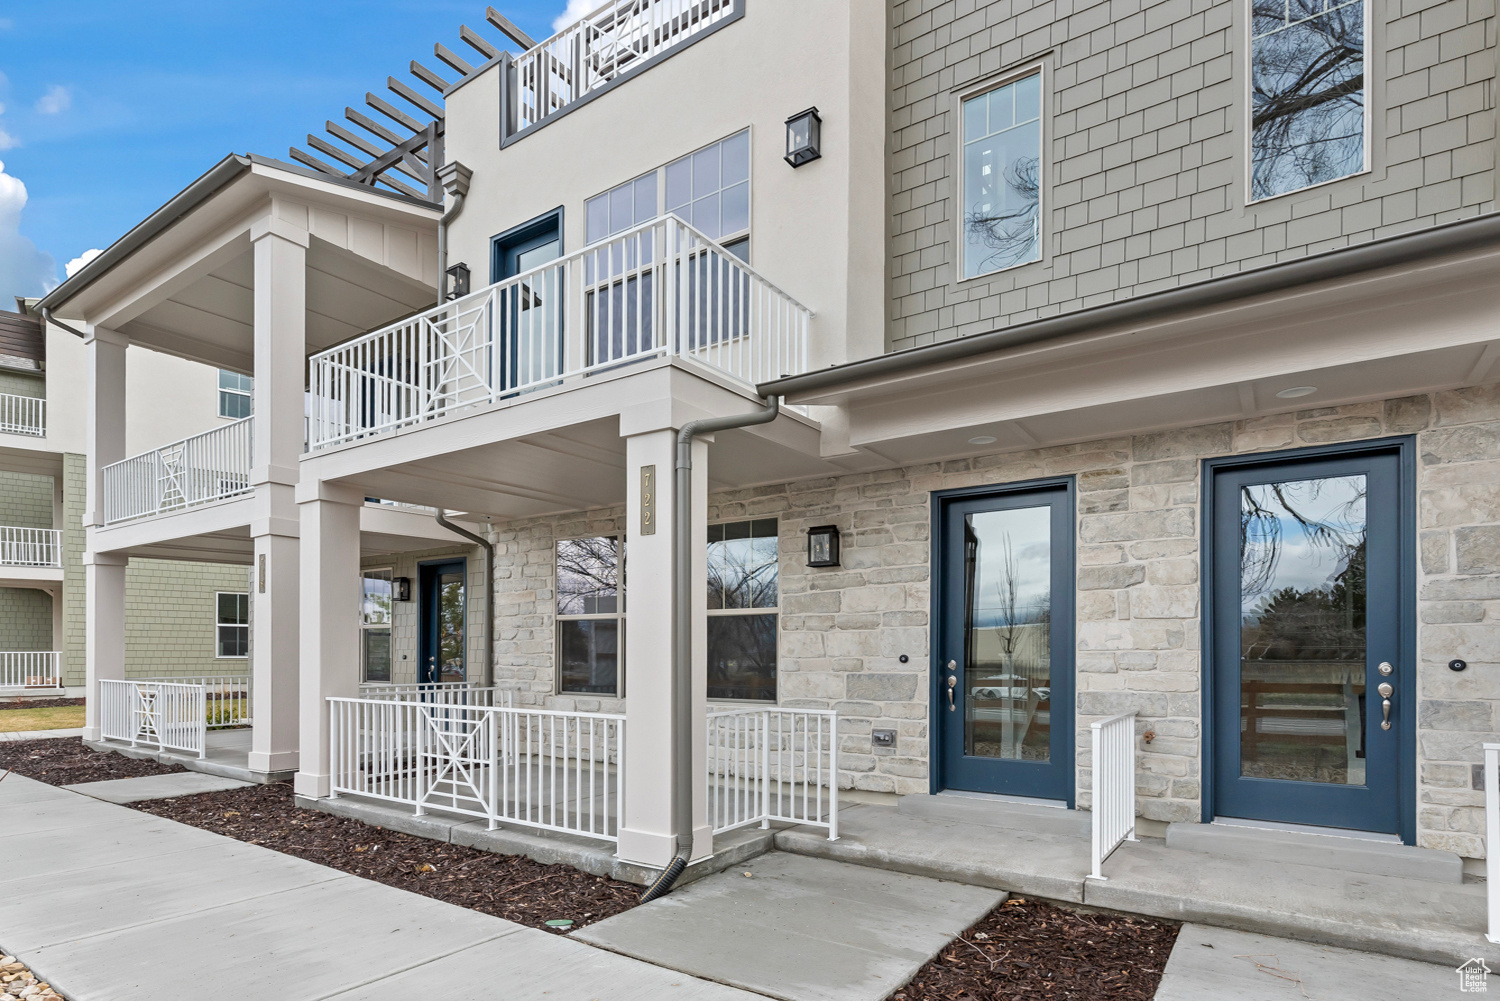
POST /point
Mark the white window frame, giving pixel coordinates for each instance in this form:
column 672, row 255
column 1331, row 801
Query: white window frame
column 774, row 610
column 1248, row 112
column 218, row 625
column 223, row 391
column 1038, row 69
column 388, row 626
column 617, row 616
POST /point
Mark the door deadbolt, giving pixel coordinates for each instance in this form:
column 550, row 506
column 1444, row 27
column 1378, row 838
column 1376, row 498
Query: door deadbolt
column 953, row 665
column 1385, row 668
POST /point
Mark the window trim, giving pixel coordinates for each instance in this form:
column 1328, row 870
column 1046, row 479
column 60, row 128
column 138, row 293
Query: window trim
column 774, row 610
column 617, row 616
column 1247, row 113
column 247, row 394
column 1039, row 68
column 364, row 626
column 231, row 625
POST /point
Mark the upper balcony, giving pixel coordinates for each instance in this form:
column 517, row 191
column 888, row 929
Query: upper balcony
column 619, row 38
column 662, row 289
column 23, row 415
column 30, row 547
column 207, row 467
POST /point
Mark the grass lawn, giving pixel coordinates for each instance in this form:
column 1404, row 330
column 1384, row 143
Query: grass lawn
column 49, row 718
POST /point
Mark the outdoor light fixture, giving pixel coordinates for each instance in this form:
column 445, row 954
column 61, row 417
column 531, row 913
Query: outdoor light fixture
column 823, row 546
column 458, row 281
column 402, row 588
column 1296, row 391
column 802, row 137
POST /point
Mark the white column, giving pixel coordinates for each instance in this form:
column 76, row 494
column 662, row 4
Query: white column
column 280, row 348
column 330, row 619
column 646, row 832
column 104, row 573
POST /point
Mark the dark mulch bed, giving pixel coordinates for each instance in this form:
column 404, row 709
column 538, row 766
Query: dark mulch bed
column 37, row 703
column 61, row 761
column 1028, row 949
column 508, row 886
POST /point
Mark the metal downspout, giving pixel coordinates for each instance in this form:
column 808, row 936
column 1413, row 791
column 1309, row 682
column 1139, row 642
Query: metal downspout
column 46, row 312
column 486, row 676
column 442, row 242
column 682, row 635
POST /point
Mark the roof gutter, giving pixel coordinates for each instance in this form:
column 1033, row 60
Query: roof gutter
column 1455, row 237
column 185, row 201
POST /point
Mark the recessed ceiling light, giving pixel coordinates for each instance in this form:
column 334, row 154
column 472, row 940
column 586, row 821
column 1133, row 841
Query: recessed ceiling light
column 1296, row 391
column 982, row 439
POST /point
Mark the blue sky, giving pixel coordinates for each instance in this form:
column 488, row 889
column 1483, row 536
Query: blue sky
column 110, row 108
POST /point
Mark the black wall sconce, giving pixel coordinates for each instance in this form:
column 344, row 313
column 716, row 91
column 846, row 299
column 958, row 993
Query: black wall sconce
column 823, row 546
column 402, row 588
column 458, row 281
column 803, row 136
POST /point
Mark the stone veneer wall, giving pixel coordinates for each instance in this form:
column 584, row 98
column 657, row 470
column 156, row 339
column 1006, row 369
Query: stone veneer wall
column 844, row 629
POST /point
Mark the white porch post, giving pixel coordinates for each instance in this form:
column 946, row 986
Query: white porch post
column 276, row 445
column 646, row 830
column 330, row 619
column 104, row 573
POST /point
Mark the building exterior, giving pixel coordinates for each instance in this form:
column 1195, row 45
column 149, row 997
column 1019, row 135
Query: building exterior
column 1127, row 376
column 175, row 628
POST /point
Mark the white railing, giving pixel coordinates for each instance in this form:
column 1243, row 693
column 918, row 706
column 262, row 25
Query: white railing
column 614, row 40
column 660, row 289
column 443, row 693
column 773, row 764
column 30, row 547
column 227, row 698
column 1114, row 786
column 206, row 467
column 30, row 669
column 1492, row 838
column 23, row 415
column 170, row 715
column 557, row 771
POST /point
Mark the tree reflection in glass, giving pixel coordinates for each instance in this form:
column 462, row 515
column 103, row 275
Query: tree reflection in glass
column 1002, row 151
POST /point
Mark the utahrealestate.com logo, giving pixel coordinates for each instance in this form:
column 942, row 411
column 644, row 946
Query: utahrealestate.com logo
column 1473, row 977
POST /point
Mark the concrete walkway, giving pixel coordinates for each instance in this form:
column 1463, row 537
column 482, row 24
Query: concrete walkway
column 110, row 904
column 41, row 734
column 1237, row 966
column 155, row 787
column 798, row 928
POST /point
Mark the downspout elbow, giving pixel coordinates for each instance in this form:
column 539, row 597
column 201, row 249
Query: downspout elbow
column 46, row 312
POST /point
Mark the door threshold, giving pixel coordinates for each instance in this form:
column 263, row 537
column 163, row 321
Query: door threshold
column 1327, row 832
column 1000, row 797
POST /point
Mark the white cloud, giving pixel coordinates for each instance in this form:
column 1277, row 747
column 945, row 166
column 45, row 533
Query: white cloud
column 55, row 101
column 7, row 141
column 24, row 270
column 77, row 263
column 575, row 11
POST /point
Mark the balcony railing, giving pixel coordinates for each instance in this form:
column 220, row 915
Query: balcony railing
column 614, row 40
column 206, row 467
column 30, row 547
column 23, row 415
column 660, row 289
column 30, row 669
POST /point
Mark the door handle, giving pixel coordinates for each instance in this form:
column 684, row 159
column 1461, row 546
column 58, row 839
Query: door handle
column 1385, row 691
column 952, row 684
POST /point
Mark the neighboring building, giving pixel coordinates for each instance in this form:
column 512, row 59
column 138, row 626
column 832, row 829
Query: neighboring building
column 181, row 614
column 1130, row 379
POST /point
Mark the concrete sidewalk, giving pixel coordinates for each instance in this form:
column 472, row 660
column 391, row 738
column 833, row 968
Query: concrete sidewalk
column 41, row 734
column 110, row 904
column 147, row 787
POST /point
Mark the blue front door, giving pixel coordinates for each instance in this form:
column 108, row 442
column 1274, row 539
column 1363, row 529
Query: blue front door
column 528, row 314
column 1312, row 691
column 1003, row 671
column 444, row 614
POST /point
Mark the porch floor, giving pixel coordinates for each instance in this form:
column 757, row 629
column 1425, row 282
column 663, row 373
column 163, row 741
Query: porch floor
column 1045, row 852
column 228, row 756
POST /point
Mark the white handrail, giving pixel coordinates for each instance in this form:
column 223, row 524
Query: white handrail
column 1113, row 820
column 1492, row 837
column 30, row 669
column 23, row 415
column 170, row 715
column 228, row 699
column 773, row 764
column 206, row 467
column 447, row 693
column 617, row 38
column 660, row 289
column 30, row 547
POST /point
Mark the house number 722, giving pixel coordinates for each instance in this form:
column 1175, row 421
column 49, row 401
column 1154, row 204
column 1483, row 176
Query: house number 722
column 648, row 500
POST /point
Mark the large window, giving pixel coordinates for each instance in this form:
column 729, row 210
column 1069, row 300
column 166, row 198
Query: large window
column 375, row 625
column 711, row 190
column 1307, row 94
column 234, row 394
column 232, row 624
column 1002, row 177
column 589, row 616
column 618, row 209
column 743, row 602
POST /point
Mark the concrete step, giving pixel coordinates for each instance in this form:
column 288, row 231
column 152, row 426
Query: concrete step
column 1377, row 858
column 995, row 812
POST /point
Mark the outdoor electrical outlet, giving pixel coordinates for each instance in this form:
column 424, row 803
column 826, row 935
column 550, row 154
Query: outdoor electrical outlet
column 883, row 739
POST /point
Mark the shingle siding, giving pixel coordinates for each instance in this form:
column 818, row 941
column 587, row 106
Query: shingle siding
column 1145, row 142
